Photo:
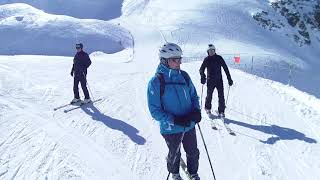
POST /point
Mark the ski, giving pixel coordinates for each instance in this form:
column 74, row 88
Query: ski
column 60, row 107
column 229, row 130
column 212, row 117
column 183, row 165
column 81, row 105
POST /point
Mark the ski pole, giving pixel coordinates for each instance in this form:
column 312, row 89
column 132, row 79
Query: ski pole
column 201, row 97
column 88, row 86
column 228, row 95
column 205, row 146
column 178, row 149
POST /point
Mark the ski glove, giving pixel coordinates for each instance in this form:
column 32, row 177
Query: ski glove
column 230, row 82
column 184, row 121
column 203, row 79
column 196, row 116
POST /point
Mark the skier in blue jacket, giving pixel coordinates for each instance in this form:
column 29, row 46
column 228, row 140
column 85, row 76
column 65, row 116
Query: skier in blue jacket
column 174, row 103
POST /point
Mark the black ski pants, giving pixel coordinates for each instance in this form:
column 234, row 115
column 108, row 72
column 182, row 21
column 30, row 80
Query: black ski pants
column 211, row 85
column 82, row 79
column 189, row 143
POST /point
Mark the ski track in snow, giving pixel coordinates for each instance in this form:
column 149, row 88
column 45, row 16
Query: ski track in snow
column 267, row 155
column 143, row 152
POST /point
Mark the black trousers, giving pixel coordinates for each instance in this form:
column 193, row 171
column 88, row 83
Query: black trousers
column 211, row 85
column 82, row 79
column 189, row 143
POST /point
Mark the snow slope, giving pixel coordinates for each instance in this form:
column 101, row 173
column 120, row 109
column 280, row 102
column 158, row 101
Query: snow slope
column 27, row 30
column 277, row 126
column 97, row 9
column 230, row 26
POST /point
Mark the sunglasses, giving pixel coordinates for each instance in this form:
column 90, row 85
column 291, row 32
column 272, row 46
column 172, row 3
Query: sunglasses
column 176, row 60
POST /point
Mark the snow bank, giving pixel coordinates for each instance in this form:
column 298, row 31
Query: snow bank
column 97, row 9
column 27, row 30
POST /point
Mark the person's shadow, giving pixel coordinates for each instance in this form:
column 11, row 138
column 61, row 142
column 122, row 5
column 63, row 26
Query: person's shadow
column 115, row 124
column 278, row 133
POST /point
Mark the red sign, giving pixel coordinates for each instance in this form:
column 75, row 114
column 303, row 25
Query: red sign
column 237, row 59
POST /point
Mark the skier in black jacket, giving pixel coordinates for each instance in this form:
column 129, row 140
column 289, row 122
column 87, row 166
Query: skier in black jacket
column 213, row 63
column 81, row 62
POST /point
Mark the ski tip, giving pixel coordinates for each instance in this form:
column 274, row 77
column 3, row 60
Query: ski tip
column 215, row 128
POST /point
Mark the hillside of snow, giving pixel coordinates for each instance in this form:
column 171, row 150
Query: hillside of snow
column 97, row 9
column 27, row 30
column 277, row 125
column 228, row 24
column 231, row 26
column 299, row 20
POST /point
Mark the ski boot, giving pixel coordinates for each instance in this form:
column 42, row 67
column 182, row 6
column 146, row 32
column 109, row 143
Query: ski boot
column 86, row 101
column 195, row 177
column 75, row 100
column 176, row 177
column 208, row 111
column 221, row 115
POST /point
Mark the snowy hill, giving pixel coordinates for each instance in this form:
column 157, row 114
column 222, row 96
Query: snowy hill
column 97, row 9
column 277, row 126
column 231, row 26
column 277, row 136
column 299, row 20
column 26, row 30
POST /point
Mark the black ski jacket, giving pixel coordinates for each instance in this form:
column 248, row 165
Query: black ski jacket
column 81, row 62
column 213, row 65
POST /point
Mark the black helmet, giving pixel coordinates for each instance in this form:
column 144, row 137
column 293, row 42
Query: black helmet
column 79, row 46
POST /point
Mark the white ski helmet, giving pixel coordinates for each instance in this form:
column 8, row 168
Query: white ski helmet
column 169, row 50
column 211, row 47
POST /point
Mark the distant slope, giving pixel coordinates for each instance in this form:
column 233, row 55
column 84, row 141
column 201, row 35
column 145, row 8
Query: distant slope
column 300, row 20
column 84, row 9
column 27, row 30
column 231, row 26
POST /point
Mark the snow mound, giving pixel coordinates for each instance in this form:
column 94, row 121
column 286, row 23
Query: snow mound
column 27, row 30
column 97, row 9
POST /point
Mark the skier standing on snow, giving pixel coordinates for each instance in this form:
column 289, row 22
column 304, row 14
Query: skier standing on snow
column 81, row 62
column 213, row 63
column 174, row 103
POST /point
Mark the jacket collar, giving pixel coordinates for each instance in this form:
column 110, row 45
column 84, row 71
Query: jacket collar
column 167, row 71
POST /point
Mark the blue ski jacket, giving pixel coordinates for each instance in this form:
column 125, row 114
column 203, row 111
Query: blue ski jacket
column 179, row 98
